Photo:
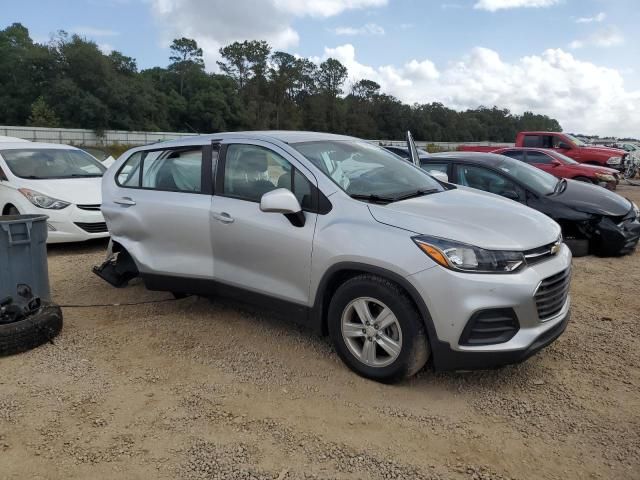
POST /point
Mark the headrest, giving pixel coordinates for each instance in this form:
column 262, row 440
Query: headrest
column 253, row 161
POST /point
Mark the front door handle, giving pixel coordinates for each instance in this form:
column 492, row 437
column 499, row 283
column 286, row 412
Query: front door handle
column 125, row 201
column 224, row 217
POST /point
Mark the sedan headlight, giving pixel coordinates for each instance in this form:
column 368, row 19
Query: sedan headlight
column 463, row 257
column 636, row 209
column 43, row 201
column 614, row 160
column 605, row 177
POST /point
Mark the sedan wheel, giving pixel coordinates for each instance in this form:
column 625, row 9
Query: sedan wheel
column 372, row 332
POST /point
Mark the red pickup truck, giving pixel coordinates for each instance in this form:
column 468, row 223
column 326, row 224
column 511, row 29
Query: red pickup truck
column 566, row 144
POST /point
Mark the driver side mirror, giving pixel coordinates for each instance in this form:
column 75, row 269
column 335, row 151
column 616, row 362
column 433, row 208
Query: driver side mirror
column 438, row 175
column 555, row 163
column 511, row 195
column 564, row 146
column 283, row 201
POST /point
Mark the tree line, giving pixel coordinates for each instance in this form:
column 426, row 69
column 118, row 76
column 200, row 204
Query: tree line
column 70, row 82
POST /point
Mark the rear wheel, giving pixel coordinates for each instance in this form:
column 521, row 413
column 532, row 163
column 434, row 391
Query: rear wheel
column 377, row 330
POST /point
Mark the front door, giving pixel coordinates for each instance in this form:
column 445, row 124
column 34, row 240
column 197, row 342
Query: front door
column 257, row 251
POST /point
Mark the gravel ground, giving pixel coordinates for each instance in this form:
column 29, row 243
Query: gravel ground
column 199, row 389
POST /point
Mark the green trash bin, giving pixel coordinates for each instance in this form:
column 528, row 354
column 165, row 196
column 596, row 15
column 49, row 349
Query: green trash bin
column 23, row 255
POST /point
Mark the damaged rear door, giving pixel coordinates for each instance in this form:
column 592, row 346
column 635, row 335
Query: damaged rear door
column 158, row 209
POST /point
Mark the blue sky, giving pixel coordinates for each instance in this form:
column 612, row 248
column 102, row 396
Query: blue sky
column 577, row 60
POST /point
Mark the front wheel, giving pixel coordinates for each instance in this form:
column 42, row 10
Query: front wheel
column 13, row 211
column 377, row 330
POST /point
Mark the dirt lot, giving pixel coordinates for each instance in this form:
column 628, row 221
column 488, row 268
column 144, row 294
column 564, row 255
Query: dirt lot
column 197, row 389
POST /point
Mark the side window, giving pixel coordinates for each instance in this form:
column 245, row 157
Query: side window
column 538, row 157
column 129, row 173
column 167, row 170
column 532, row 141
column 3, row 176
column 515, row 154
column 484, row 179
column 173, row 170
column 427, row 166
column 251, row 171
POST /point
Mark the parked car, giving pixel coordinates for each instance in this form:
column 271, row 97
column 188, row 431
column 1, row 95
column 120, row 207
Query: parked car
column 103, row 157
column 390, row 244
column 404, row 151
column 568, row 145
column 60, row 181
column 593, row 219
column 561, row 166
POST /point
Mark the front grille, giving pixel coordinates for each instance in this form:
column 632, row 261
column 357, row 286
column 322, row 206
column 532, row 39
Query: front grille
column 93, row 208
column 100, row 227
column 488, row 327
column 537, row 255
column 552, row 294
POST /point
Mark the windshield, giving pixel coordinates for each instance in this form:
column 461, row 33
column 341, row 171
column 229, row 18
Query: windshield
column 47, row 163
column 362, row 169
column 576, row 141
column 537, row 180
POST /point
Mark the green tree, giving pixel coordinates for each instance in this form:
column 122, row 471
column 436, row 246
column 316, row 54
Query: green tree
column 185, row 56
column 42, row 115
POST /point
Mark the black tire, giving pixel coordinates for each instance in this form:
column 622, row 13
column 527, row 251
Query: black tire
column 414, row 351
column 579, row 247
column 583, row 179
column 30, row 332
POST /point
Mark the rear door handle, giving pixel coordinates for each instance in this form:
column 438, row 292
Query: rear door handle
column 223, row 217
column 125, row 201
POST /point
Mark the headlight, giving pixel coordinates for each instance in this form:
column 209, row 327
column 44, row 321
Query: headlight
column 605, row 177
column 43, row 201
column 636, row 209
column 467, row 258
column 614, row 161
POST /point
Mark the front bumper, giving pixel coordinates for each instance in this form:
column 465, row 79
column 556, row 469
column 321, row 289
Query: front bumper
column 453, row 298
column 73, row 224
column 613, row 239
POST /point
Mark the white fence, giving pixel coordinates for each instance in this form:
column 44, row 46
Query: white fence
column 88, row 138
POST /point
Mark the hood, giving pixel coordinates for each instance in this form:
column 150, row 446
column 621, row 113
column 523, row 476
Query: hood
column 590, row 198
column 478, row 218
column 79, row 191
column 612, row 152
column 592, row 168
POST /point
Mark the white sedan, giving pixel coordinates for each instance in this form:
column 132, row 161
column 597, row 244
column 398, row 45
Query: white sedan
column 60, row 181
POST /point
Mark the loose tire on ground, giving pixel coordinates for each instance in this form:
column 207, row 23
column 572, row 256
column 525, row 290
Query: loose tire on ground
column 30, row 332
column 414, row 350
column 579, row 247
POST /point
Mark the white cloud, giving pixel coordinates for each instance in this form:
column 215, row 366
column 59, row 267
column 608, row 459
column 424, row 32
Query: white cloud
column 606, row 37
column 584, row 97
column 324, row 8
column 94, row 32
column 494, row 5
column 216, row 23
column 595, row 19
column 368, row 29
column 106, row 48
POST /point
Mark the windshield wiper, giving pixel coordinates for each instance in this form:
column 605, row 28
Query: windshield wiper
column 372, row 198
column 90, row 175
column 415, row 193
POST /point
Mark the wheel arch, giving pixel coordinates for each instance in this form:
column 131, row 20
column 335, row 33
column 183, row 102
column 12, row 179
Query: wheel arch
column 7, row 207
column 339, row 273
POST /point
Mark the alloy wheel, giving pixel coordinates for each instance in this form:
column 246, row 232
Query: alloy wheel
column 371, row 332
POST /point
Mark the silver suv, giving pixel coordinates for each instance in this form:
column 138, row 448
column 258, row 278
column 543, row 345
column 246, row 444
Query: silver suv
column 394, row 265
